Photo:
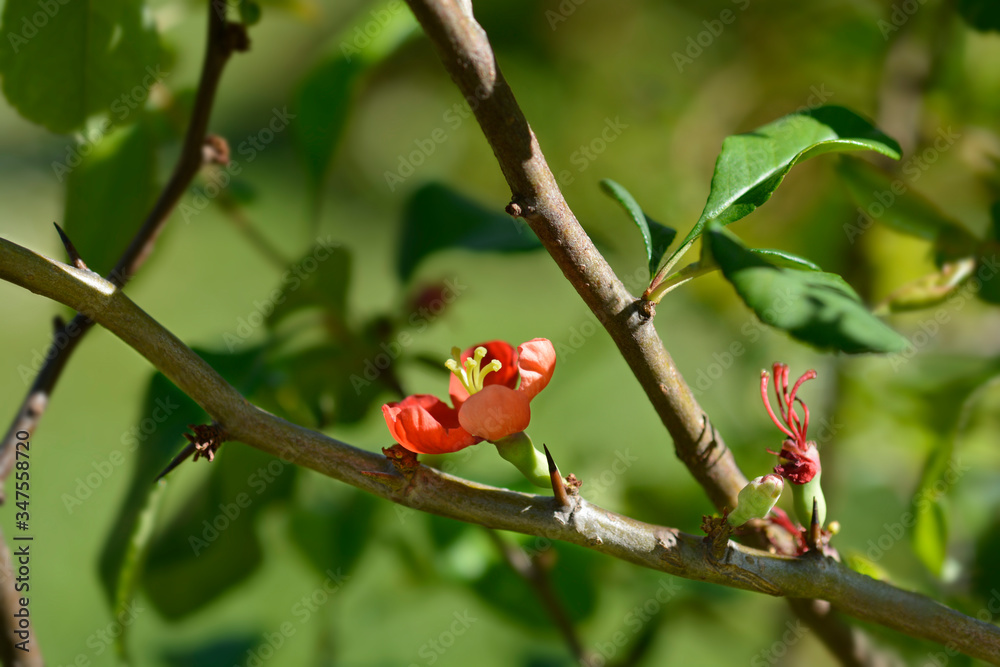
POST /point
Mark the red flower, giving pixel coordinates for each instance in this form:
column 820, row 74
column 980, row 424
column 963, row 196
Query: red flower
column 488, row 402
column 799, row 459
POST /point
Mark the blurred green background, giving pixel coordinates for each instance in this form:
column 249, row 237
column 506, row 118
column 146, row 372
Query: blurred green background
column 422, row 590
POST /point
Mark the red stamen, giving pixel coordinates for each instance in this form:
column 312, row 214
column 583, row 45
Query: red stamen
column 767, row 403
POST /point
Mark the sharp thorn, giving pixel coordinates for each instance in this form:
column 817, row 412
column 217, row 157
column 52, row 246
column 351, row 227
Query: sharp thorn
column 815, row 530
column 74, row 256
column 558, row 485
column 177, row 460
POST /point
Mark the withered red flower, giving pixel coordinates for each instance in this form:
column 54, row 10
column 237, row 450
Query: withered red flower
column 799, row 458
column 491, row 387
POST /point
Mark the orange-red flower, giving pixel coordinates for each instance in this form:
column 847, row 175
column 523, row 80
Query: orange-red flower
column 491, row 387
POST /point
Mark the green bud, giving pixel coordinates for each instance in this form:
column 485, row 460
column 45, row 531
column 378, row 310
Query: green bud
column 756, row 499
column 517, row 449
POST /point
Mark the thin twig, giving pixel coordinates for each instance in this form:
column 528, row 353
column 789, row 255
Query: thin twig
column 537, row 577
column 223, row 39
column 655, row 547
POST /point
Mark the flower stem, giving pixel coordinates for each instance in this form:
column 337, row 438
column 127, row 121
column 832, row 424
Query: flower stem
column 802, row 495
column 519, row 450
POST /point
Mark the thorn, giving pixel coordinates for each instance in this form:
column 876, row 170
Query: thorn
column 815, row 530
column 74, row 256
column 177, row 460
column 558, row 485
column 204, row 443
column 58, row 324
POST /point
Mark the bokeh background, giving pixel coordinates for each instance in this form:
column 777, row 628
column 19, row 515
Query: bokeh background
column 419, row 590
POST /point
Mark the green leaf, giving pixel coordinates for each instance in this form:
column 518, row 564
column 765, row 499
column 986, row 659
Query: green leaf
column 320, row 278
column 438, row 218
column 820, row 309
column 891, row 201
column 211, row 545
column 942, row 389
column 785, row 259
column 656, row 237
column 334, row 535
column 323, row 101
column 930, row 534
column 751, row 166
column 983, row 15
column 110, row 193
column 156, row 439
column 65, row 61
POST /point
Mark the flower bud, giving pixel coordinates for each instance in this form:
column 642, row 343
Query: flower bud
column 756, row 499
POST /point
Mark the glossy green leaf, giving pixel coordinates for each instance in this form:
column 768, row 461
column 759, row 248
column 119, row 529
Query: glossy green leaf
column 323, row 100
column 438, row 218
column 892, row 202
column 318, row 279
column 785, row 259
column 109, row 194
column 820, row 309
column 62, row 62
column 751, row 166
column 656, row 237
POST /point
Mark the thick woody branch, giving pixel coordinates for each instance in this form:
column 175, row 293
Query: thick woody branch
column 656, row 547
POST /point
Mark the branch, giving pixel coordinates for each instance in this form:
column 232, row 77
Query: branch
column 466, row 54
column 223, row 39
column 536, row 575
column 469, row 59
column 655, row 547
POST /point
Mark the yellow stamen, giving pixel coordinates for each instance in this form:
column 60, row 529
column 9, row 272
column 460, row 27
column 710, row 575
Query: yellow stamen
column 471, row 373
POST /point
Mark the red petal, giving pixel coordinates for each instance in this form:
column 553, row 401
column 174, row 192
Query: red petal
column 426, row 425
column 536, row 360
column 495, row 412
column 506, row 376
